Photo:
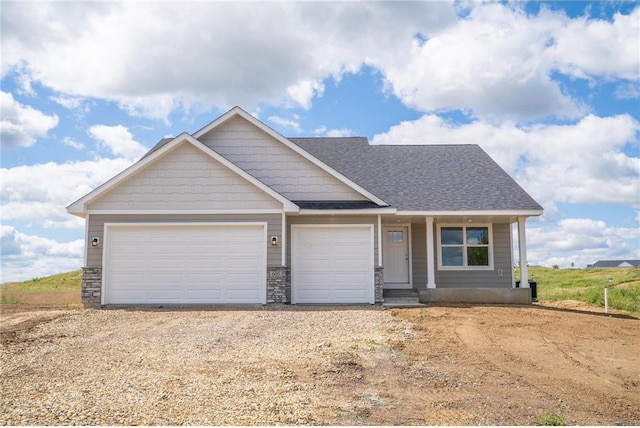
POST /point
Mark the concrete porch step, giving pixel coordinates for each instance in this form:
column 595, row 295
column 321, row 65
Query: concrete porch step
column 401, row 299
column 402, row 302
column 396, row 293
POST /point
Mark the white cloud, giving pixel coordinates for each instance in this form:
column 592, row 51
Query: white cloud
column 302, row 93
column 583, row 47
column 581, row 241
column 627, row 91
column 292, row 124
column 28, row 196
column 69, row 142
column 498, row 62
column 577, row 163
column 341, row 132
column 20, row 124
column 139, row 54
column 495, row 61
column 68, row 102
column 118, row 140
column 28, row 256
column 492, row 63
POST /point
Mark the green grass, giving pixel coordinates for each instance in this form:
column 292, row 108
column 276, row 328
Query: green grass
column 9, row 300
column 68, row 281
column 56, row 290
column 551, row 420
column 588, row 285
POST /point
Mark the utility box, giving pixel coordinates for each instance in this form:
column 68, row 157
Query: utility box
column 534, row 289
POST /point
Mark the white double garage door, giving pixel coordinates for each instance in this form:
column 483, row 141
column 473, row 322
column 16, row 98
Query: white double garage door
column 208, row 263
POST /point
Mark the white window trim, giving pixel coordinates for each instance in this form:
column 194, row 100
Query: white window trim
column 464, row 226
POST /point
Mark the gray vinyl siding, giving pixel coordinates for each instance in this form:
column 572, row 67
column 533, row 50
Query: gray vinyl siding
column 275, row 164
column 482, row 278
column 185, row 178
column 419, row 255
column 97, row 221
column 345, row 219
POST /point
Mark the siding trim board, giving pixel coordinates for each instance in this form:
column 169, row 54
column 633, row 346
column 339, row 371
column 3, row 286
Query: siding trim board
column 472, row 213
column 188, row 212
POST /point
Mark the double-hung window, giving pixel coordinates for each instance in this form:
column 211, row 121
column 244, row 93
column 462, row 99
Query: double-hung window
column 465, row 247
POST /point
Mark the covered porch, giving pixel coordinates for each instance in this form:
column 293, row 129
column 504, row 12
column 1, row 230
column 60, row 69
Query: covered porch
column 454, row 256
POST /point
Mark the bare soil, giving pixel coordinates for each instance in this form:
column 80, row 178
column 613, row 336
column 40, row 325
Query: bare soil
column 441, row 365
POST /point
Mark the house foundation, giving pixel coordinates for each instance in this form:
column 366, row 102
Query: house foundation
column 513, row 296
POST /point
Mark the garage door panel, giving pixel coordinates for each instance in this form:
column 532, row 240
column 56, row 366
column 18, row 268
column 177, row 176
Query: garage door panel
column 129, row 295
column 165, row 280
column 350, row 278
column 185, row 264
column 204, row 296
column 237, row 279
column 332, row 264
column 165, row 295
column 127, row 261
column 165, row 263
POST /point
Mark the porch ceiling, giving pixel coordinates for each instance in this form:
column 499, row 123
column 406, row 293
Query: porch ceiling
column 415, row 219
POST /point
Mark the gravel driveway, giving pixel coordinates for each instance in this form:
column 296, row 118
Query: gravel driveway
column 449, row 365
column 216, row 367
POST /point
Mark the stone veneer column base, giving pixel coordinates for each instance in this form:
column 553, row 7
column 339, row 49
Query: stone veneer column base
column 379, row 284
column 91, row 286
column 278, row 284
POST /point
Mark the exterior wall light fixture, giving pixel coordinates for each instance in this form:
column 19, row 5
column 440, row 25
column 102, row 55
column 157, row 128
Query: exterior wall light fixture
column 274, row 240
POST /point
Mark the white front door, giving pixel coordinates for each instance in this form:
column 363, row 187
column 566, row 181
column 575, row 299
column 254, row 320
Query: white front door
column 395, row 257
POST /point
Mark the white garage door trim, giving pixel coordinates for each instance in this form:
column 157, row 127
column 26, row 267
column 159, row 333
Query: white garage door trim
column 338, row 229
column 261, row 263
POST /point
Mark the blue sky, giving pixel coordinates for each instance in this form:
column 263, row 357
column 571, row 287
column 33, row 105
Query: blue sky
column 551, row 90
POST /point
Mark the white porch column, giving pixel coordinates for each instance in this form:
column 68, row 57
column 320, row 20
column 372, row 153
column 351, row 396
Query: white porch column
column 379, row 240
column 522, row 244
column 431, row 270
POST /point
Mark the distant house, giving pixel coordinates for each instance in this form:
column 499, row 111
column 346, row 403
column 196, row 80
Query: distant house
column 615, row 264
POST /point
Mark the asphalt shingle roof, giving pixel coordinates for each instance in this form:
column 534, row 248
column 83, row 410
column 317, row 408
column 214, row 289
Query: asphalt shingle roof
column 419, row 177
column 614, row 263
column 423, row 177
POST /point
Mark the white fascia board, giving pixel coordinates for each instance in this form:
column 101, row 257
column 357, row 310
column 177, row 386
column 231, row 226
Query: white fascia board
column 80, row 206
column 526, row 213
column 238, row 111
column 365, row 211
column 185, row 212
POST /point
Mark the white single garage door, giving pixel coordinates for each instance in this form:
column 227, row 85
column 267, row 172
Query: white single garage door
column 332, row 264
column 185, row 263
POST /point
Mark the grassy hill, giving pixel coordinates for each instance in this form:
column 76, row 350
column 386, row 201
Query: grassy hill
column 586, row 285
column 60, row 289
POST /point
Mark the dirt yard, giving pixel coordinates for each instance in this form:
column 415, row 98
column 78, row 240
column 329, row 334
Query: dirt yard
column 442, row 365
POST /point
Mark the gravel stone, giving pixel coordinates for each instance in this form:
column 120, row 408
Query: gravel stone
column 193, row 367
